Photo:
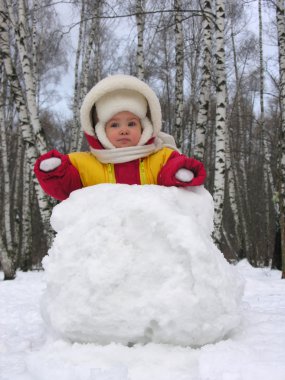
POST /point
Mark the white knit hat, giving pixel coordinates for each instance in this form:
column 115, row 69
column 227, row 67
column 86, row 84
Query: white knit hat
column 118, row 101
column 119, row 93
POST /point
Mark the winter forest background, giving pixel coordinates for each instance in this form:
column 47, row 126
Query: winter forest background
column 218, row 68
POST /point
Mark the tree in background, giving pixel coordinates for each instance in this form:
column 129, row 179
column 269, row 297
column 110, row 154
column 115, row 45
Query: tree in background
column 22, row 63
column 205, row 92
column 140, row 20
column 6, row 240
column 238, row 184
column 221, row 126
column 179, row 74
column 280, row 15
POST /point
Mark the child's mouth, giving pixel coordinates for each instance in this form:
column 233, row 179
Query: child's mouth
column 123, row 140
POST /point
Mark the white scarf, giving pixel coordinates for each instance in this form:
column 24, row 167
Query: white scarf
column 120, row 155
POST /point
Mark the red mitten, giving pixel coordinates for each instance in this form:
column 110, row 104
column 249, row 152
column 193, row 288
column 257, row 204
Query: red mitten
column 52, row 154
column 177, row 161
column 61, row 180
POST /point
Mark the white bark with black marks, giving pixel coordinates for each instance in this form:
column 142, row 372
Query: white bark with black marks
column 179, row 74
column 280, row 16
column 232, row 189
column 204, row 99
column 140, row 21
column 27, row 70
column 76, row 95
column 31, row 144
column 35, row 69
column 267, row 173
column 6, row 249
column 26, row 247
column 90, row 43
column 86, row 63
column 17, row 191
column 220, row 156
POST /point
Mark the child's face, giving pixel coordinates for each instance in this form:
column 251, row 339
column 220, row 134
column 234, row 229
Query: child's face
column 124, row 129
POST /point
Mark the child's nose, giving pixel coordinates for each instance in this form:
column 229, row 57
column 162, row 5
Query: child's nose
column 124, row 129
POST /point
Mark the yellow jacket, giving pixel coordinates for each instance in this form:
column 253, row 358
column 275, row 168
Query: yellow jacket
column 93, row 172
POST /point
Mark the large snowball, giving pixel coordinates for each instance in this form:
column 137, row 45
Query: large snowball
column 136, row 264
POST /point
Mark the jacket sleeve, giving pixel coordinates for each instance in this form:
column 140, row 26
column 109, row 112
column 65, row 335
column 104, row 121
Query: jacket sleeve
column 176, row 161
column 60, row 182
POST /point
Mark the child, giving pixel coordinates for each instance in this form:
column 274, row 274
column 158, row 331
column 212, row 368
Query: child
column 121, row 119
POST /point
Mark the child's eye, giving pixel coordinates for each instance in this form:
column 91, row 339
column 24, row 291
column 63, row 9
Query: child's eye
column 132, row 124
column 114, row 125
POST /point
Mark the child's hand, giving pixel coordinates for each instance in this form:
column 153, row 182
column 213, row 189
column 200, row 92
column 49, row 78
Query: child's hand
column 184, row 175
column 170, row 174
column 50, row 161
column 50, row 164
column 56, row 175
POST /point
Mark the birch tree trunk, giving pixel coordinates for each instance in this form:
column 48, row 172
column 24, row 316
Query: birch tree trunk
column 28, row 76
column 34, row 52
column 238, row 164
column 6, row 249
column 179, row 74
column 17, row 193
column 29, row 139
column 280, row 15
column 6, row 176
column 204, row 99
column 232, row 188
column 264, row 146
column 167, row 83
column 26, row 248
column 6, row 262
column 193, row 37
column 76, row 96
column 86, row 64
column 220, row 159
column 140, row 20
column 90, row 42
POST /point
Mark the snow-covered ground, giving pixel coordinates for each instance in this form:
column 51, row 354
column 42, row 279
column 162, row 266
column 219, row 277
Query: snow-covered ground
column 136, row 264
column 256, row 351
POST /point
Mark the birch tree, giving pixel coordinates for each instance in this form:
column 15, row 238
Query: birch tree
column 33, row 145
column 267, row 174
column 140, row 21
column 220, row 161
column 76, row 93
column 27, row 70
column 34, row 51
column 238, row 161
column 205, row 91
column 165, row 76
column 86, row 62
column 280, row 15
column 232, row 193
column 26, row 246
column 238, row 224
column 17, row 190
column 6, row 243
column 89, row 31
column 193, row 41
column 179, row 74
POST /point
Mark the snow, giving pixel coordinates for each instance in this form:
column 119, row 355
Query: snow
column 255, row 351
column 136, row 264
column 31, row 349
